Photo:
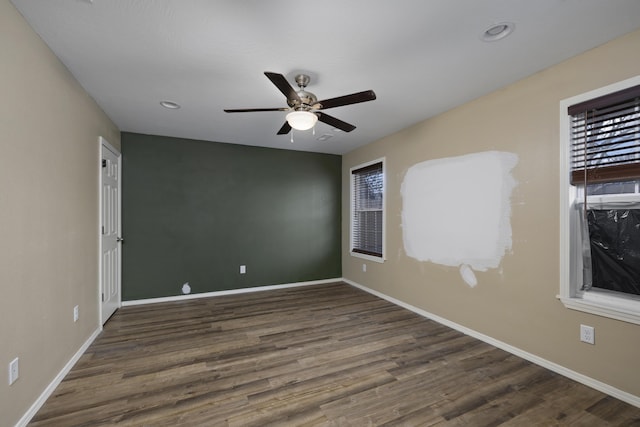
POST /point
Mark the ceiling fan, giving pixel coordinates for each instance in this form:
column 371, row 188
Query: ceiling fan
column 304, row 107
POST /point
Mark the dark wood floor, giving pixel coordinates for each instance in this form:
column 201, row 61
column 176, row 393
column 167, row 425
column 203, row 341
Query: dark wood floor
column 328, row 355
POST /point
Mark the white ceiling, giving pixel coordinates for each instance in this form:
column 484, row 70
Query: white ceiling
column 421, row 57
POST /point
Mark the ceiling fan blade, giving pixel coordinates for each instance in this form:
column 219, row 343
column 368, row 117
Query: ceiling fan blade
column 354, row 98
column 283, row 85
column 336, row 123
column 252, row 110
column 285, row 129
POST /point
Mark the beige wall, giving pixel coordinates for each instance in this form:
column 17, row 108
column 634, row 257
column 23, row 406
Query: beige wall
column 49, row 129
column 515, row 303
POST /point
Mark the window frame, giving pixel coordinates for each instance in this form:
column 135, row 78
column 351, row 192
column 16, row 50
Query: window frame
column 600, row 302
column 353, row 253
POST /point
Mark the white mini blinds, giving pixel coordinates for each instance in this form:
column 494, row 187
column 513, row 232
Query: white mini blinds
column 367, row 210
column 605, row 138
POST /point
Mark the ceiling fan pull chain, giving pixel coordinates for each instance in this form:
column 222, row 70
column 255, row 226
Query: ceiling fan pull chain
column 292, row 136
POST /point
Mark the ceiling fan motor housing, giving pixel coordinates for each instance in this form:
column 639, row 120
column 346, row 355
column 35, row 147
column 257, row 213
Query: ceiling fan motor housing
column 308, row 99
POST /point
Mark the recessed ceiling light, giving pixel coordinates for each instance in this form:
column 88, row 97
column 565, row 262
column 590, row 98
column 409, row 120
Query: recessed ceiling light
column 170, row 105
column 498, row 31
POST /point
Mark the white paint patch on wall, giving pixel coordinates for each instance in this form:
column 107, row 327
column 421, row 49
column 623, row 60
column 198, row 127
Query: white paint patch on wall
column 457, row 211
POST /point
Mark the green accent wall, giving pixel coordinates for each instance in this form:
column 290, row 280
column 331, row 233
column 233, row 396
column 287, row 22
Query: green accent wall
column 194, row 211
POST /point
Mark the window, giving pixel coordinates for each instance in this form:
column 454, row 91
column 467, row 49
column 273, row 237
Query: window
column 367, row 210
column 600, row 194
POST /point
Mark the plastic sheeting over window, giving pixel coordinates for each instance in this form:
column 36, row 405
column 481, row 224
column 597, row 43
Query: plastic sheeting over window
column 614, row 236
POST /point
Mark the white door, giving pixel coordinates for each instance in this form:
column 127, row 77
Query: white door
column 111, row 237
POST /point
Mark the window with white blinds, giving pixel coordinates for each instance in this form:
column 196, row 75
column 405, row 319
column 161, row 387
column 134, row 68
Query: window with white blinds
column 367, row 210
column 605, row 138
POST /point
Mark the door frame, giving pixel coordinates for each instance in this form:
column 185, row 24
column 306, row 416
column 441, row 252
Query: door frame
column 103, row 143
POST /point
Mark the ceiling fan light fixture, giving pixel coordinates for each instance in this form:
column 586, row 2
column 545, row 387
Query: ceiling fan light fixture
column 301, row 120
column 304, row 108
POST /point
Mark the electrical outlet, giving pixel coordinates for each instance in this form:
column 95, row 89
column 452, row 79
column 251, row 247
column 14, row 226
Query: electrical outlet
column 364, row 268
column 14, row 371
column 76, row 313
column 243, row 269
column 587, row 334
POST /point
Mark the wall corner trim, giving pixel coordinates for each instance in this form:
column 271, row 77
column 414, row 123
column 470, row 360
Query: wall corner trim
column 559, row 369
column 56, row 381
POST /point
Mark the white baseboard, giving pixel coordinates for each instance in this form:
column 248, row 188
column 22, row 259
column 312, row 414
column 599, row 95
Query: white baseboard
column 229, row 292
column 576, row 376
column 56, row 381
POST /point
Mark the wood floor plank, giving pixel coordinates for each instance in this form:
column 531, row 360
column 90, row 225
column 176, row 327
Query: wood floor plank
column 326, row 355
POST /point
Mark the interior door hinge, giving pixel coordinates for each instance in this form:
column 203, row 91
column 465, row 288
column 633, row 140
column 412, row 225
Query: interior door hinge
column 103, row 297
column 103, row 229
column 104, row 163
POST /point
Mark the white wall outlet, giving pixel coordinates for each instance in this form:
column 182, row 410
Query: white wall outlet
column 243, row 269
column 587, row 334
column 364, row 268
column 76, row 313
column 14, row 371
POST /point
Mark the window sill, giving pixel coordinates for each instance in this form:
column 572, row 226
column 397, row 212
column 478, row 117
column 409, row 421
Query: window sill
column 368, row 257
column 605, row 305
